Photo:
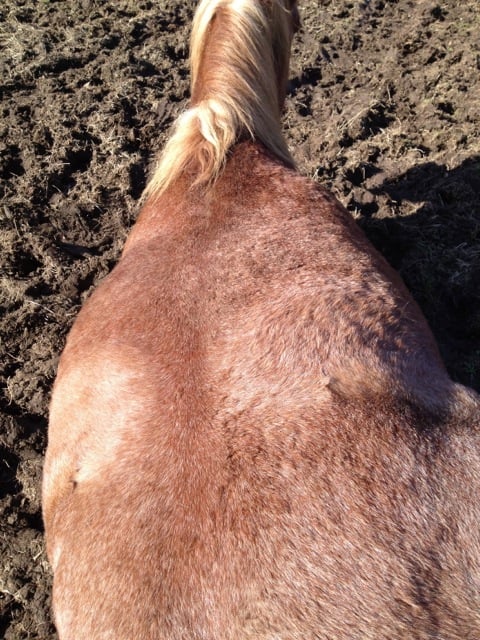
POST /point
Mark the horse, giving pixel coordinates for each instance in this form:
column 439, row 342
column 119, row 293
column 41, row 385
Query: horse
column 252, row 433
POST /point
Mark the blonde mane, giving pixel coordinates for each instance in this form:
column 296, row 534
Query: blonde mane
column 235, row 94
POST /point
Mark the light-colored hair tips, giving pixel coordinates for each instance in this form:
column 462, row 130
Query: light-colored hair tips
column 239, row 92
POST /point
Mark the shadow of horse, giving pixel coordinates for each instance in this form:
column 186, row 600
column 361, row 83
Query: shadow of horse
column 436, row 250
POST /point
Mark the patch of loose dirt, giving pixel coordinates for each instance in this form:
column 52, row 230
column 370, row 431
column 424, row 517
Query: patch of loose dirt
column 383, row 108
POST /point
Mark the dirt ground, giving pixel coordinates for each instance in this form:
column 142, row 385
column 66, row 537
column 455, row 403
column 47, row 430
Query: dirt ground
column 383, row 108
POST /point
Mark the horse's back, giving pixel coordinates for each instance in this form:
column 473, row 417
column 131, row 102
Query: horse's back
column 253, row 413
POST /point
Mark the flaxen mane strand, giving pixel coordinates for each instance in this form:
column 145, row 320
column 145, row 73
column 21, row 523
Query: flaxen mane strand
column 234, row 78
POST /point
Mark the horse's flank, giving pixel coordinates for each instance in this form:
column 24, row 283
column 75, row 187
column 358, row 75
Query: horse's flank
column 239, row 52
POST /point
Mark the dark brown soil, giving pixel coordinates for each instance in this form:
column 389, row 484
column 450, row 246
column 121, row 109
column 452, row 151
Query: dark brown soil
column 383, row 108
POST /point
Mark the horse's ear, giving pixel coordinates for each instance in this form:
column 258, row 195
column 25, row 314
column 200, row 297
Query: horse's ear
column 296, row 21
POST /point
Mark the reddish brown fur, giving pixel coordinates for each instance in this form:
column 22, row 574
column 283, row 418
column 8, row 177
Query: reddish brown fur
column 253, row 436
